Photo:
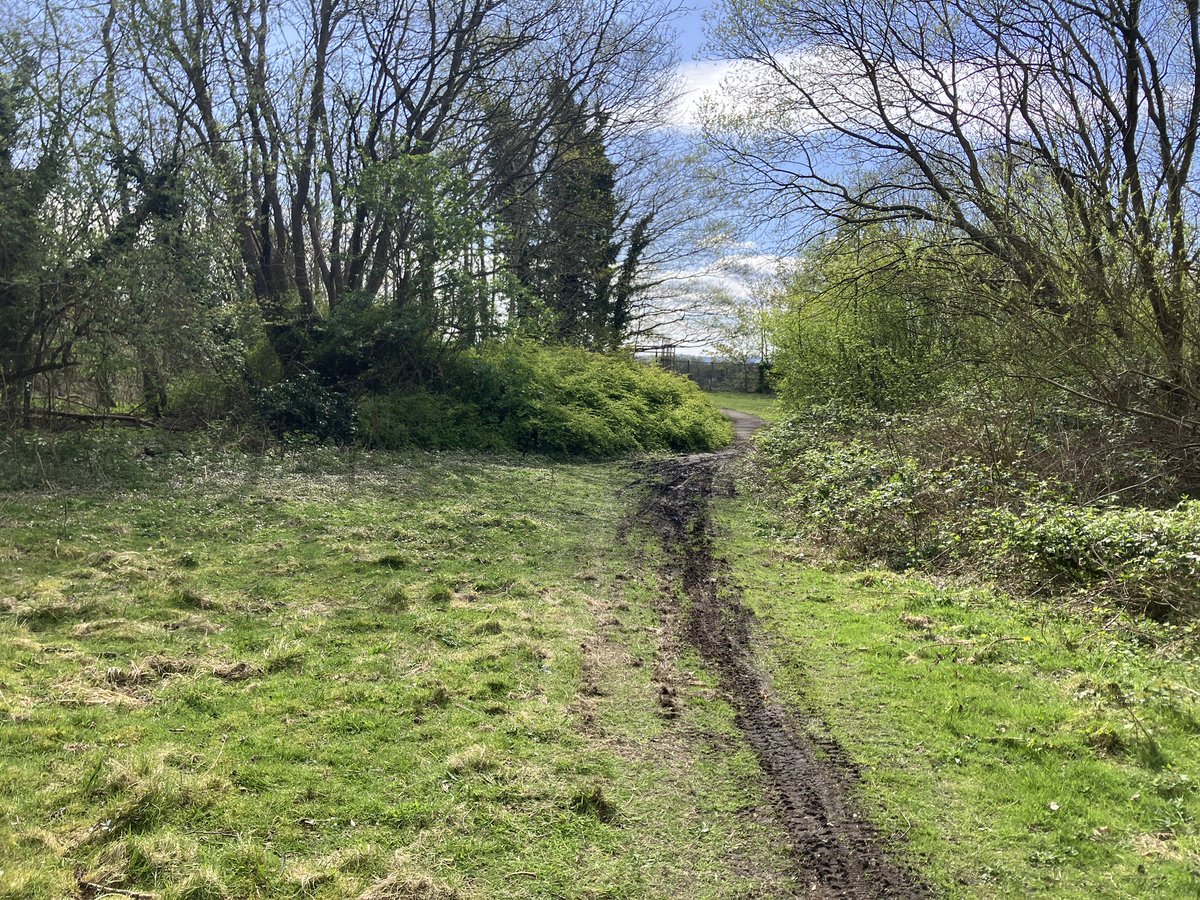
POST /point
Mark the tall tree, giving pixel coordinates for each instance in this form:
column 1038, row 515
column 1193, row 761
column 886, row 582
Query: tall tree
column 588, row 267
column 578, row 249
column 60, row 236
column 513, row 148
column 1057, row 139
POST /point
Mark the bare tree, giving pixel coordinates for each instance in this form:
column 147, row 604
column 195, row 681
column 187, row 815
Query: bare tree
column 299, row 104
column 1056, row 138
column 333, row 156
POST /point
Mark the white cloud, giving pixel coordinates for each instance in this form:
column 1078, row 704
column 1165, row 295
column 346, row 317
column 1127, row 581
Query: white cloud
column 701, row 82
column 692, row 301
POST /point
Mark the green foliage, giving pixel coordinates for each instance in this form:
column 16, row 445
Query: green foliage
column 866, row 322
column 555, row 401
column 203, row 398
column 302, row 405
column 580, row 248
column 890, row 488
column 421, row 419
column 30, row 310
column 33, row 459
column 1150, row 557
column 368, row 346
column 437, row 282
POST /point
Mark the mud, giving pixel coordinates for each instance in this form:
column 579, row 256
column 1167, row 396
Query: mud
column 837, row 852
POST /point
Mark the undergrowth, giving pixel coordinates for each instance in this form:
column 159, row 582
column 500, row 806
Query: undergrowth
column 558, row 401
column 1068, row 504
column 515, row 397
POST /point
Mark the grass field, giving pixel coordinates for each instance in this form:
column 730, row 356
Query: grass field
column 420, row 676
column 765, row 406
column 442, row 676
column 1009, row 748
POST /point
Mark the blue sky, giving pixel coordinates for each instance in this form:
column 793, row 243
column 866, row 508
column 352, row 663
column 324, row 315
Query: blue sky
column 691, row 28
column 701, row 75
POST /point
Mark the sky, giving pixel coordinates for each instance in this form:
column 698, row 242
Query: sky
column 701, row 75
column 691, row 28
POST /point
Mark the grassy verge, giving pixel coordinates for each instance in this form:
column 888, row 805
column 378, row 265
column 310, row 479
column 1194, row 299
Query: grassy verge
column 320, row 676
column 1007, row 747
column 765, row 406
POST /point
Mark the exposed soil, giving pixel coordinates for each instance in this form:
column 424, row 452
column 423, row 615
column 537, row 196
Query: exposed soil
column 812, row 779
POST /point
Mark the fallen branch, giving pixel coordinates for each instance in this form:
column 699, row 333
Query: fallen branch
column 119, row 418
column 104, row 889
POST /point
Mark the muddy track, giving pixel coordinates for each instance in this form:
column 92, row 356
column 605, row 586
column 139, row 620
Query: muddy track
column 812, row 780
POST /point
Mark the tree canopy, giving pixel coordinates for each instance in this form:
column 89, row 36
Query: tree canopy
column 1045, row 152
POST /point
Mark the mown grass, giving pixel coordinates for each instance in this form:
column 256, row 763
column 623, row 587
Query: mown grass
column 765, row 406
column 326, row 676
column 1008, row 748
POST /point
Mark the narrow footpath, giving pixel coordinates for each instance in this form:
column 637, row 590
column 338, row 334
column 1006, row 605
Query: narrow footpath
column 812, row 780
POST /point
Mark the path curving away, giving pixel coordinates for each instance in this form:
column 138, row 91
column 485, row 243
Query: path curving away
column 837, row 852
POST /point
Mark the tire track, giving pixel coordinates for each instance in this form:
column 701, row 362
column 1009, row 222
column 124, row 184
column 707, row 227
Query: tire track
column 812, row 778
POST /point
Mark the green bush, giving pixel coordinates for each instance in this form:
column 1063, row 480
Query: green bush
column 303, row 405
column 421, row 419
column 201, row 399
column 557, row 401
column 1151, row 558
column 868, row 487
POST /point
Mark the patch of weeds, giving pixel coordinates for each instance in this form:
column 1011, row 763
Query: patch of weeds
column 496, row 687
column 590, row 801
column 195, row 624
column 161, row 854
column 408, row 887
column 395, row 599
column 1106, row 738
column 203, row 883
column 393, row 561
column 144, row 791
column 475, row 758
column 435, row 696
column 190, row 598
column 1174, row 785
column 439, row 595
column 284, row 656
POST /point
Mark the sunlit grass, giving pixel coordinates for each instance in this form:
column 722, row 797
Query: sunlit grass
column 331, row 676
column 1009, row 748
column 765, row 406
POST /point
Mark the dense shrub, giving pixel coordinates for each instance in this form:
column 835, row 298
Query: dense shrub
column 541, row 400
column 200, row 399
column 421, row 419
column 304, row 405
column 898, row 490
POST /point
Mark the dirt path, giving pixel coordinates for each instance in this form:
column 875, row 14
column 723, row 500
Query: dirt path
column 811, row 778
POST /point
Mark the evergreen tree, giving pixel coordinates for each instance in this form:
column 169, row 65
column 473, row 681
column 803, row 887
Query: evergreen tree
column 511, row 156
column 579, row 248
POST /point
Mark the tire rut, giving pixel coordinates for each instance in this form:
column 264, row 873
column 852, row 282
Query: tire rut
column 812, row 779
